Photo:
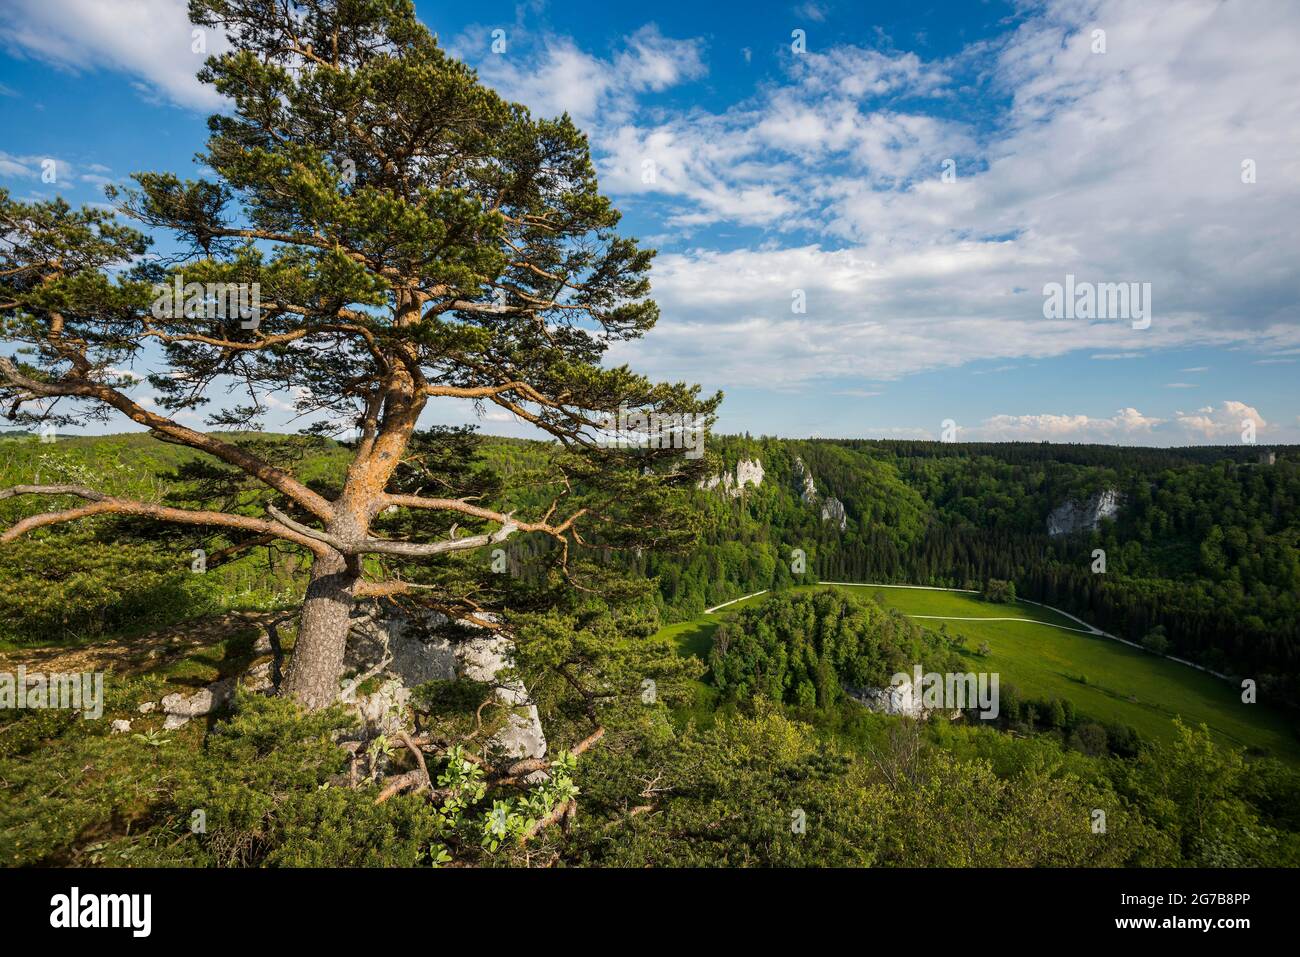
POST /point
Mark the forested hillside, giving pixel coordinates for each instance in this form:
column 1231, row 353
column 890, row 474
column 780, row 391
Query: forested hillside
column 1205, row 548
column 1206, row 545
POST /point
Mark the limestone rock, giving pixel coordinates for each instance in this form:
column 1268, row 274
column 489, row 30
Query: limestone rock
column 748, row 472
column 481, row 659
column 180, row 708
column 406, row 653
column 710, row 483
column 808, row 488
column 1074, row 516
column 832, row 507
column 894, row 699
column 833, row 511
column 121, row 726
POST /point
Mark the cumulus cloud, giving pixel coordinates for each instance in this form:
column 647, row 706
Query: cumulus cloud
column 812, row 10
column 1126, row 426
column 791, row 156
column 152, row 40
column 553, row 75
column 42, row 168
column 562, row 79
column 1224, row 424
column 729, row 319
column 1114, row 167
column 1227, row 422
column 655, row 62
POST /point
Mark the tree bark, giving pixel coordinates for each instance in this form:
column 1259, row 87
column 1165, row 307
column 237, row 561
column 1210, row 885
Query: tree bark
column 314, row 669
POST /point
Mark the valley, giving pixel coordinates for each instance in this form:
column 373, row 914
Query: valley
column 1044, row 654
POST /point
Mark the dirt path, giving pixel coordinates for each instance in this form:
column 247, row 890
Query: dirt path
column 141, row 652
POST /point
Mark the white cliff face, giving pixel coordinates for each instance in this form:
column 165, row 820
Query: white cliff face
column 832, row 508
column 833, row 511
column 747, row 473
column 480, row 659
column 712, row 482
column 808, row 488
column 894, row 699
column 1074, row 516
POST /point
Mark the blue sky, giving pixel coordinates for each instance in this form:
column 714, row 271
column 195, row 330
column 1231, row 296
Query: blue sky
column 766, row 174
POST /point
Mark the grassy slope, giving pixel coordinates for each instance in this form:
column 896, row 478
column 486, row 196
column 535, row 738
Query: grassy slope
column 695, row 637
column 1046, row 660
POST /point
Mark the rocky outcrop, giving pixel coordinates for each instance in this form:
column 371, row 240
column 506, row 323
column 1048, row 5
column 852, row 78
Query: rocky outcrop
column 180, row 708
column 833, row 511
column 894, row 699
column 1075, row 516
column 748, row 472
column 832, row 508
column 404, row 652
column 807, row 487
column 388, row 654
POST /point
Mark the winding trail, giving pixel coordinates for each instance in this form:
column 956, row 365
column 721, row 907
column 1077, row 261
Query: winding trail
column 709, row 611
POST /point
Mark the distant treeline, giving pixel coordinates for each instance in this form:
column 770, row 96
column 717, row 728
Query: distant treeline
column 1206, row 544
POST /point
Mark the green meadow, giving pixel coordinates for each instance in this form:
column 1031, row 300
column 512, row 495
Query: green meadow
column 1048, row 656
column 695, row 637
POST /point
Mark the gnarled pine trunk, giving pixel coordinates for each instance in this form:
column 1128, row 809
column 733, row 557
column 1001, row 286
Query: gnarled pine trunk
column 312, row 678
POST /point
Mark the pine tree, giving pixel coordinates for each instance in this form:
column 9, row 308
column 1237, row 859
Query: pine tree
column 398, row 234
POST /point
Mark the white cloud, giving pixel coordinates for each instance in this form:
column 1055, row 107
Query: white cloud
column 859, row 72
column 811, row 10
column 1223, row 424
column 565, row 80
column 1127, row 426
column 761, row 161
column 1123, row 166
column 728, row 319
column 33, row 167
column 555, row 76
column 149, row 39
column 655, row 62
